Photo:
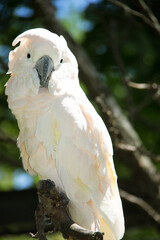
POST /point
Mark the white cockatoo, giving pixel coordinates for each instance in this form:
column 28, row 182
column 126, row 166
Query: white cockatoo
column 62, row 137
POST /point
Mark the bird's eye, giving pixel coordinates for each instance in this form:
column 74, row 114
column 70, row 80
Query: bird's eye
column 61, row 60
column 28, row 55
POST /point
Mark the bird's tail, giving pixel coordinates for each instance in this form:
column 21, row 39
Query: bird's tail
column 87, row 216
column 108, row 235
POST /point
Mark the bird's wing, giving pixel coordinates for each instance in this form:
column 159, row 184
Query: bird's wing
column 84, row 159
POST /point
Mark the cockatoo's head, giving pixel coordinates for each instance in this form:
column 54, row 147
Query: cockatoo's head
column 39, row 55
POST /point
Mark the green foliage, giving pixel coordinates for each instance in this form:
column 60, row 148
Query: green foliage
column 6, row 175
column 56, row 236
column 146, row 233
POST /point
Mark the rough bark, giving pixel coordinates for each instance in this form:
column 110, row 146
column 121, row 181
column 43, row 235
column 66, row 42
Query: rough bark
column 54, row 205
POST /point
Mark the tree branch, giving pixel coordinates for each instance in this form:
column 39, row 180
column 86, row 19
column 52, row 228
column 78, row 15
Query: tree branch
column 154, row 89
column 142, row 204
column 54, row 205
column 151, row 21
column 150, row 14
column 140, row 86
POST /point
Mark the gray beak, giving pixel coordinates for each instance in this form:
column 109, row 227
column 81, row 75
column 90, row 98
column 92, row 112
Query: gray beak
column 44, row 67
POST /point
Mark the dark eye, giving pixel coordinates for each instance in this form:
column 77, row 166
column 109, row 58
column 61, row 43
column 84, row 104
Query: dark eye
column 28, row 55
column 61, row 60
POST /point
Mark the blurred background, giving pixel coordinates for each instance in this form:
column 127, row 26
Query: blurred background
column 121, row 42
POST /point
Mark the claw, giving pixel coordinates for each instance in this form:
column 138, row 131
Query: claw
column 41, row 236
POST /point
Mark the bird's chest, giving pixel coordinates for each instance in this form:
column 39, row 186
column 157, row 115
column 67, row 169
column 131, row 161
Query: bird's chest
column 37, row 124
column 40, row 135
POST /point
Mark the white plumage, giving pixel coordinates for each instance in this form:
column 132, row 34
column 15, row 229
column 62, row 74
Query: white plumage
column 62, row 137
